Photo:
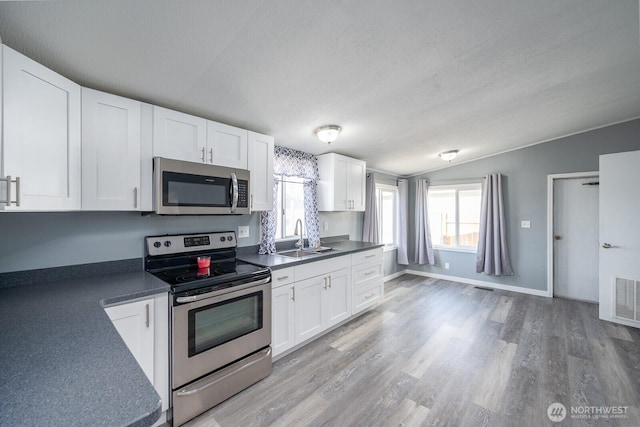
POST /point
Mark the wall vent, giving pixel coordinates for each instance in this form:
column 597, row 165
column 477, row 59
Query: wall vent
column 626, row 298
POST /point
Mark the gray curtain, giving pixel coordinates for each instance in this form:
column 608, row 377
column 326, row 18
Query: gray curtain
column 370, row 232
column 492, row 255
column 289, row 162
column 403, row 207
column 423, row 251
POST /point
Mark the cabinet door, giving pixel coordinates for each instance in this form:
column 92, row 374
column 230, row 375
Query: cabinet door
column 226, row 145
column 260, row 161
column 110, row 152
column 339, row 296
column 310, row 311
column 179, row 136
column 357, row 181
column 283, row 319
column 341, row 172
column 41, row 135
column 133, row 321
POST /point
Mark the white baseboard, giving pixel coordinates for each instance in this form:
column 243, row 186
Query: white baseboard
column 394, row 275
column 491, row 285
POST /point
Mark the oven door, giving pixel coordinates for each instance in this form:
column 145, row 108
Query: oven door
column 219, row 328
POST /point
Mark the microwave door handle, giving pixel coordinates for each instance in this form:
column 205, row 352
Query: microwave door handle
column 234, row 192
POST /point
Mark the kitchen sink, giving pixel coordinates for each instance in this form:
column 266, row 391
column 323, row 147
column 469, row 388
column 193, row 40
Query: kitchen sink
column 305, row 253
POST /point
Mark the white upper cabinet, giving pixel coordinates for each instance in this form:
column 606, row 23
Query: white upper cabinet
column 41, row 145
column 342, row 183
column 179, row 136
column 110, row 152
column 226, row 145
column 260, row 162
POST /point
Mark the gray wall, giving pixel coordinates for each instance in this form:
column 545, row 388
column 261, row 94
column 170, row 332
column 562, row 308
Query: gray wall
column 525, row 185
column 41, row 240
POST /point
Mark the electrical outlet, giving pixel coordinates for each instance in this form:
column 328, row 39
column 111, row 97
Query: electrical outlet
column 525, row 224
column 325, row 226
column 243, row 231
column 446, row 265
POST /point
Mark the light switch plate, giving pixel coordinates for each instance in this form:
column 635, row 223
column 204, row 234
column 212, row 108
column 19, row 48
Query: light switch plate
column 243, row 231
column 525, row 224
column 325, row 226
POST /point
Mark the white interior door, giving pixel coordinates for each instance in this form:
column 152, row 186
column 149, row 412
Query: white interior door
column 575, row 227
column 620, row 238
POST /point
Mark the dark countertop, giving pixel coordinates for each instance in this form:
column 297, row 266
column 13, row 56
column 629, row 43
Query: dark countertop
column 275, row 262
column 63, row 363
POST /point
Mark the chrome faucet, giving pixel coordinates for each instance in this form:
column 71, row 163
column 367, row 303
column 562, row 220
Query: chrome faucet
column 297, row 230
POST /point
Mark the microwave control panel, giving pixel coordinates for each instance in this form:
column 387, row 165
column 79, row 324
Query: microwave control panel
column 243, row 193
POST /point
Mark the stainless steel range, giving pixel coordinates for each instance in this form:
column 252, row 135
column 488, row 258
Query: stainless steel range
column 220, row 318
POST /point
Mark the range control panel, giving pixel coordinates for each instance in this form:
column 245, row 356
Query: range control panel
column 182, row 243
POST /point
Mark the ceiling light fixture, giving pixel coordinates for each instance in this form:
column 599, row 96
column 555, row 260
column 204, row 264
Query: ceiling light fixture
column 328, row 133
column 447, row 156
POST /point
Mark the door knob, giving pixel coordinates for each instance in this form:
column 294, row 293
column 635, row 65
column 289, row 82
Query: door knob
column 557, row 237
column 607, row 245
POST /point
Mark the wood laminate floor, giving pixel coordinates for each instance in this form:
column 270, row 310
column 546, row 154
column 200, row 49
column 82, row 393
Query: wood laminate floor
column 444, row 353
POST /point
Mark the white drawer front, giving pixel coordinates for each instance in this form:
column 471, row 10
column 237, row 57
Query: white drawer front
column 282, row 277
column 366, row 256
column 325, row 266
column 366, row 271
column 367, row 293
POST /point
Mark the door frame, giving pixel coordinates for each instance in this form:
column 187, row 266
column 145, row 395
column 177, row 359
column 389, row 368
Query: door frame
column 550, row 254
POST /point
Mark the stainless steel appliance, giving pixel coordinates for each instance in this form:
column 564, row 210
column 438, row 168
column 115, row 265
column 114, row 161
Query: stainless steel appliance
column 188, row 188
column 220, row 319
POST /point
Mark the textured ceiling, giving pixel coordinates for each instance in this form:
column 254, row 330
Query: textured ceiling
column 405, row 79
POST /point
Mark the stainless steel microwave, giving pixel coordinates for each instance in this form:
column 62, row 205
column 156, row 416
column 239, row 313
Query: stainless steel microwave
column 188, row 188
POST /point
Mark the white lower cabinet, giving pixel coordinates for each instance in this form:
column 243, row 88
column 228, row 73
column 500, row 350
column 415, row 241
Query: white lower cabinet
column 144, row 328
column 308, row 299
column 368, row 279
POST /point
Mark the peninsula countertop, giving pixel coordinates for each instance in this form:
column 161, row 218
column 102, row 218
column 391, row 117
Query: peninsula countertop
column 62, row 362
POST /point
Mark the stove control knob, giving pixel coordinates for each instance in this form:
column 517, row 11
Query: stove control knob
column 167, row 243
column 222, row 239
column 229, row 238
column 157, row 244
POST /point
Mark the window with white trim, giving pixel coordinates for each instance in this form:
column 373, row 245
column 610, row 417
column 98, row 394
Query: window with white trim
column 454, row 216
column 387, row 199
column 290, row 206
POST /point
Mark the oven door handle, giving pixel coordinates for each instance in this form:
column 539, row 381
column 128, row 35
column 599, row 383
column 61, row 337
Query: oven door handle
column 234, row 192
column 193, row 298
column 186, row 392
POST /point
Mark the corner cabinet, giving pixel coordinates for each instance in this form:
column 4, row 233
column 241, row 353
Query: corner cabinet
column 111, row 127
column 143, row 325
column 41, row 146
column 260, row 163
column 342, row 183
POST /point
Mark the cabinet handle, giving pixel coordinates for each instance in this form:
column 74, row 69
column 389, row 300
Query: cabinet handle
column 283, row 277
column 146, row 308
column 135, row 197
column 203, row 160
column 370, row 256
column 369, row 273
column 368, row 296
column 329, row 282
column 8, row 200
column 293, row 293
column 325, row 283
column 211, row 155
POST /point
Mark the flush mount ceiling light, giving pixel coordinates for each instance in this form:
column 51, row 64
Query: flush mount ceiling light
column 447, row 156
column 328, row 133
